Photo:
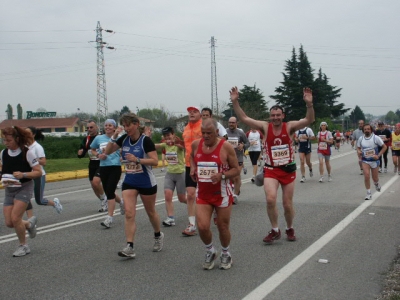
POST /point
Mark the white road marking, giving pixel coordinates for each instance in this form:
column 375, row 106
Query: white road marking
column 275, row 280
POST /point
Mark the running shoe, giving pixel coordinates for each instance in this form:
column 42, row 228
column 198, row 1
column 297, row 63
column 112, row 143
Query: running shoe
column 107, row 222
column 290, row 235
column 384, row 170
column 22, row 250
column 162, row 169
column 252, row 180
column 244, row 170
column 303, row 179
column 190, row 230
column 209, row 261
column 122, row 207
column 32, row 228
column 103, row 205
column 329, row 178
column 378, row 186
column 380, row 170
column 158, row 243
column 368, row 197
column 57, row 205
column 169, row 222
column 321, row 179
column 272, row 236
column 311, row 173
column 128, row 251
column 235, row 199
column 361, row 172
column 226, row 261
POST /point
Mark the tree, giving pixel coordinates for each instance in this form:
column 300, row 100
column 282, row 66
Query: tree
column 356, row 115
column 9, row 112
column 125, row 109
column 299, row 74
column 19, row 112
column 161, row 117
column 391, row 118
column 398, row 113
column 252, row 102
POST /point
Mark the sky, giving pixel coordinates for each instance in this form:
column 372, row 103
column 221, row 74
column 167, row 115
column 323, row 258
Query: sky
column 162, row 55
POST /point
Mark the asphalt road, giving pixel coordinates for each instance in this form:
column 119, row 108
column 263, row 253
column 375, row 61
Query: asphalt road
column 73, row 257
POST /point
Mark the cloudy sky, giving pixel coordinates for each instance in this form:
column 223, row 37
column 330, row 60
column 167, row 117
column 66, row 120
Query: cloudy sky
column 162, row 57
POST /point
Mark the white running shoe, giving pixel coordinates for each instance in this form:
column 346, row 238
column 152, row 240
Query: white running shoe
column 103, row 205
column 22, row 250
column 128, row 251
column 384, row 170
column 107, row 222
column 368, row 197
column 361, row 172
column 122, row 207
column 32, row 228
column 321, row 179
column 303, row 179
column 378, row 187
column 57, row 205
column 169, row 222
column 158, row 243
column 329, row 178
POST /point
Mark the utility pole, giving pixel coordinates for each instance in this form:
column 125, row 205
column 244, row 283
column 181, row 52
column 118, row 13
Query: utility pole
column 214, row 91
column 102, row 106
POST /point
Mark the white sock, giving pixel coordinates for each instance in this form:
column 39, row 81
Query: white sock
column 192, row 220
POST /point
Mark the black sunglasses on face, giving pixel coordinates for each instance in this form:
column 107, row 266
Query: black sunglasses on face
column 91, row 127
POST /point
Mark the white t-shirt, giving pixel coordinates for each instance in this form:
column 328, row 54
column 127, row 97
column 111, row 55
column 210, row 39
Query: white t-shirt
column 221, row 130
column 369, row 146
column 255, row 141
column 38, row 151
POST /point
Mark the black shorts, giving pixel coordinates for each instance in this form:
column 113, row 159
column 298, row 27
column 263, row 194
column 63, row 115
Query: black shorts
column 142, row 191
column 254, row 155
column 94, row 171
column 305, row 150
column 188, row 180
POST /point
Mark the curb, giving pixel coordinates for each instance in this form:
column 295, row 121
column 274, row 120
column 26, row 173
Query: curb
column 78, row 174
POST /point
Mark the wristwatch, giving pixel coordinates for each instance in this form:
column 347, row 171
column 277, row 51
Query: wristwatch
column 138, row 160
column 223, row 177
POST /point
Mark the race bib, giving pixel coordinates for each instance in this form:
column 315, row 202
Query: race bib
column 234, row 141
column 368, row 152
column 92, row 156
column 303, row 137
column 396, row 144
column 132, row 168
column 323, row 146
column 382, row 136
column 205, row 170
column 280, row 154
column 103, row 147
column 8, row 180
column 172, row 158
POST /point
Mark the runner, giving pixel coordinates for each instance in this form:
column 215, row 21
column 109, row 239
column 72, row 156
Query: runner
column 206, row 113
column 385, row 135
column 255, row 137
column 110, row 170
column 280, row 167
column 325, row 140
column 338, row 140
column 40, row 182
column 304, row 137
column 19, row 166
column 94, row 164
column 213, row 162
column 367, row 149
column 396, row 148
column 237, row 138
column 191, row 132
column 355, row 137
column 139, row 155
column 175, row 176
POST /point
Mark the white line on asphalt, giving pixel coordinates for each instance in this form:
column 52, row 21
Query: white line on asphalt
column 275, row 280
column 73, row 222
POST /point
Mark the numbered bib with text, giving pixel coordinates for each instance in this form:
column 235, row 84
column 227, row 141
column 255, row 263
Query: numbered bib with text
column 205, row 170
column 132, row 168
column 234, row 141
column 172, row 158
column 368, row 152
column 323, row 145
column 280, row 154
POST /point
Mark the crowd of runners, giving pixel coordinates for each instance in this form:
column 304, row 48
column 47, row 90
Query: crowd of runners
column 204, row 167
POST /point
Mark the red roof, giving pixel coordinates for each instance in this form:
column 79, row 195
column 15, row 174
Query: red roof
column 41, row 123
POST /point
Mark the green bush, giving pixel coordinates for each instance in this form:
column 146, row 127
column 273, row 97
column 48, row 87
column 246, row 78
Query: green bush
column 61, row 147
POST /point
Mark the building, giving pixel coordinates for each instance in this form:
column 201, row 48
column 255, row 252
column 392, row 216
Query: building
column 48, row 125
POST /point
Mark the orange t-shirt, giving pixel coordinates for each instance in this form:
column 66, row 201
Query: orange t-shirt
column 191, row 132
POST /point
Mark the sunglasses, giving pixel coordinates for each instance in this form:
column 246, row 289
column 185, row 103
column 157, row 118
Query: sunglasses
column 90, row 127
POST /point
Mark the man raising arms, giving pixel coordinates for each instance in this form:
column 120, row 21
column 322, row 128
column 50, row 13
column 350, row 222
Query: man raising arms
column 279, row 159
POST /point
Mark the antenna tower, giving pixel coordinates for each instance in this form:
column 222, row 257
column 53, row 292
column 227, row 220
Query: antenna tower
column 102, row 106
column 214, row 91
